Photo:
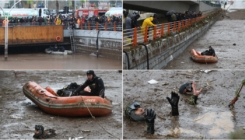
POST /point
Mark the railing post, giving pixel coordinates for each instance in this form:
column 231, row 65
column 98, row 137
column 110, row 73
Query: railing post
column 162, row 30
column 115, row 26
column 178, row 26
column 81, row 26
column 105, row 26
column 154, row 33
column 169, row 28
column 174, row 29
column 182, row 24
column 97, row 28
column 135, row 37
column 88, row 25
column 146, row 34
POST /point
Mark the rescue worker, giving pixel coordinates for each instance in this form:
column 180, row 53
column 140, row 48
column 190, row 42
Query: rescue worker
column 147, row 23
column 209, row 52
column 190, row 88
column 135, row 113
column 93, row 86
column 174, row 101
column 40, row 133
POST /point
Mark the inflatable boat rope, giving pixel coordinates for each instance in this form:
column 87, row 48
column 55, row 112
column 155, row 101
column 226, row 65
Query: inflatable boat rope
column 96, row 121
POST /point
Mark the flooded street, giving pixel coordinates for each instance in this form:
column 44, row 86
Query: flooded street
column 48, row 61
column 226, row 36
column 209, row 119
column 19, row 115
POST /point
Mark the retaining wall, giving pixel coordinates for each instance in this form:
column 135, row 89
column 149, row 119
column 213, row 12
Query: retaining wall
column 162, row 51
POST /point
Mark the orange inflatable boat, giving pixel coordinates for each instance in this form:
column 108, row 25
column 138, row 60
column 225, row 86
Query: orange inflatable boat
column 72, row 106
column 197, row 57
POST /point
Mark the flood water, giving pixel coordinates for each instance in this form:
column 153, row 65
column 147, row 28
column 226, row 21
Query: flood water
column 19, row 115
column 226, row 36
column 209, row 119
column 49, row 61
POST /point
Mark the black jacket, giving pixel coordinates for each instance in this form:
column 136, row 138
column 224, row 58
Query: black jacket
column 96, row 85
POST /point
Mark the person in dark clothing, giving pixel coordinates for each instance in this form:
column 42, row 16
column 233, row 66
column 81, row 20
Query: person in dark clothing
column 209, row 52
column 134, row 19
column 135, row 113
column 190, row 88
column 93, row 86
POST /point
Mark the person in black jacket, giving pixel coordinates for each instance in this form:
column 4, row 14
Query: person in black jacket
column 134, row 19
column 93, row 86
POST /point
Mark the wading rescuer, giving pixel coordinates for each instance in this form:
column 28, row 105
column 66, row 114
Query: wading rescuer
column 135, row 113
column 93, row 86
column 190, row 88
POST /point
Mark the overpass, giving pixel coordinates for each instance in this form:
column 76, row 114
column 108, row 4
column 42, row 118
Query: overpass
column 161, row 6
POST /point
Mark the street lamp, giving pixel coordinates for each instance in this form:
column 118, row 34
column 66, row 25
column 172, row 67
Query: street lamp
column 6, row 30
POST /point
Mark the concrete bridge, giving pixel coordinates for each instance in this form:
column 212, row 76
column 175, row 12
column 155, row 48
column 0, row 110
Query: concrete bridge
column 161, row 7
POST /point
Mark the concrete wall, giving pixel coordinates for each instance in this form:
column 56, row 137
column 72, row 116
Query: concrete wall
column 109, row 42
column 31, row 34
column 162, row 51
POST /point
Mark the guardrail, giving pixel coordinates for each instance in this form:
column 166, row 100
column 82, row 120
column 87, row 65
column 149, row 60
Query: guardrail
column 116, row 26
column 131, row 37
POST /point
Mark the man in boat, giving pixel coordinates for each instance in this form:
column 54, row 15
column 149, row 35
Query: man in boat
column 209, row 52
column 190, row 88
column 93, row 86
column 135, row 113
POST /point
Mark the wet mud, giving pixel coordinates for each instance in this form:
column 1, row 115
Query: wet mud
column 48, row 61
column 226, row 36
column 19, row 115
column 211, row 118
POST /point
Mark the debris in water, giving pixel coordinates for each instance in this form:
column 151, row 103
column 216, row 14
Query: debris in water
column 152, row 81
column 93, row 54
column 206, row 71
column 171, row 58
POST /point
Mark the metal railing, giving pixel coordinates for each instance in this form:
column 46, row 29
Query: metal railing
column 116, row 26
column 132, row 37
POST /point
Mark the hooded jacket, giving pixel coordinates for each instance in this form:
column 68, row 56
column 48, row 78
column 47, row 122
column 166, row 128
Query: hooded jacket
column 147, row 22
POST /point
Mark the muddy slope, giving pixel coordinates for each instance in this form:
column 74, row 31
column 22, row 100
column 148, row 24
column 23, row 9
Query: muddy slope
column 19, row 115
column 210, row 118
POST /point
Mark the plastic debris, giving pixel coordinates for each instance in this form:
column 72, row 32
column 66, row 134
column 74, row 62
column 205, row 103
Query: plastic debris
column 206, row 71
column 152, row 81
column 171, row 57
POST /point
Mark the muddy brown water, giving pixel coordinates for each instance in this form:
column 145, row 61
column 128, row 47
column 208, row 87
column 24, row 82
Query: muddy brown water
column 19, row 115
column 210, row 118
column 48, row 61
column 221, row 36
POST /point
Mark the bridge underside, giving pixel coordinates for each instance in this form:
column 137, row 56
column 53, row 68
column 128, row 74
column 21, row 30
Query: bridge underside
column 161, row 7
